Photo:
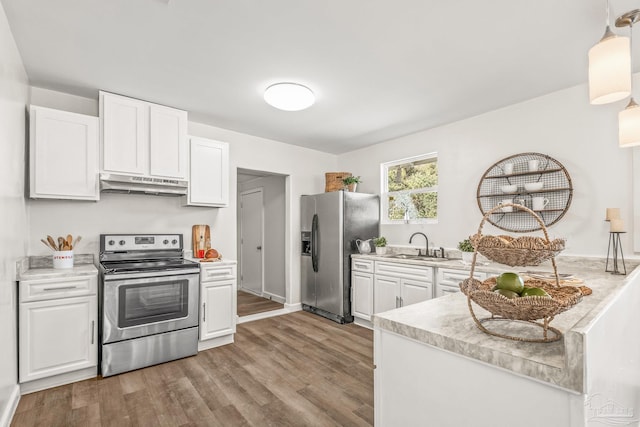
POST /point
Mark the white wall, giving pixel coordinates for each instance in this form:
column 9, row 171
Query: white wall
column 562, row 124
column 14, row 96
column 116, row 213
column 273, row 248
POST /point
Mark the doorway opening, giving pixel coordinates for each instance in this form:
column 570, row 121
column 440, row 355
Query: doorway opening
column 261, row 242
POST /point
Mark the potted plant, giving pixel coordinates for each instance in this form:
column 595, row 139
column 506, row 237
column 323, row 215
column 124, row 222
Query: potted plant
column 381, row 245
column 467, row 250
column 351, row 182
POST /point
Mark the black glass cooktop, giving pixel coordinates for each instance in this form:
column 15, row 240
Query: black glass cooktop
column 114, row 267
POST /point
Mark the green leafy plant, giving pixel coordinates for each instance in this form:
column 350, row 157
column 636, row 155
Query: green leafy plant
column 351, row 180
column 466, row 246
column 380, row 242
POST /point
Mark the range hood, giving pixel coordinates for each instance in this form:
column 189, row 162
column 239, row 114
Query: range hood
column 117, row 183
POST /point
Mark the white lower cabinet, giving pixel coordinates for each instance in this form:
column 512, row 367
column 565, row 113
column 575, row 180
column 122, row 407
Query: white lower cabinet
column 378, row 286
column 362, row 295
column 218, row 295
column 57, row 327
column 448, row 280
column 395, row 292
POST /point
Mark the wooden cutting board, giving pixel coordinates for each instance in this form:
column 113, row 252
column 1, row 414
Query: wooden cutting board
column 200, row 233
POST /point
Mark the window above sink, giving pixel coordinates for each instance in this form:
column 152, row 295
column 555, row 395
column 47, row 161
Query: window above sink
column 409, row 189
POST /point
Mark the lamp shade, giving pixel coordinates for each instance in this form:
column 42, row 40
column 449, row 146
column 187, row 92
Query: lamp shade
column 629, row 125
column 609, row 69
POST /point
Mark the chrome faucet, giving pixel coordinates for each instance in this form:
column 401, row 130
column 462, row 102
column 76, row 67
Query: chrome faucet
column 426, row 252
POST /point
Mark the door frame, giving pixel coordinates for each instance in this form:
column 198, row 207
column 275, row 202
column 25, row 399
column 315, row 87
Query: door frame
column 241, row 226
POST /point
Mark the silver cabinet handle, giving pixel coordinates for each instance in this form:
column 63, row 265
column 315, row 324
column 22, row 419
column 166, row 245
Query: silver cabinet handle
column 204, row 311
column 401, row 302
column 93, row 324
column 397, row 302
column 259, row 248
column 60, row 288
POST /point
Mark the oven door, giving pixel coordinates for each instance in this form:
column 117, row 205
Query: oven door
column 136, row 307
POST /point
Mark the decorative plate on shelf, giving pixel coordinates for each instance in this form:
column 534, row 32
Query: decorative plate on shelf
column 542, row 184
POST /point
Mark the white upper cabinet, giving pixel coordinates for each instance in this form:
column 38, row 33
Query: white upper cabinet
column 208, row 173
column 142, row 138
column 168, row 141
column 63, row 156
column 125, row 134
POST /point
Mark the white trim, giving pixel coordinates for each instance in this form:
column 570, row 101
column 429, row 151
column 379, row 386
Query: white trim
column 288, row 308
column 58, row 380
column 215, row 342
column 10, row 409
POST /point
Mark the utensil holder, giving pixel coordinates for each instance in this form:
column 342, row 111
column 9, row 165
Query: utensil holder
column 63, row 259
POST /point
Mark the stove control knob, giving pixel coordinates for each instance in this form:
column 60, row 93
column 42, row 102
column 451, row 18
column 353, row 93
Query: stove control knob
column 165, row 241
column 174, row 241
column 111, row 242
column 122, row 242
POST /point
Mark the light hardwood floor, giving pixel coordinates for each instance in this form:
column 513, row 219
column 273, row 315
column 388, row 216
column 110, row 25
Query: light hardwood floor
column 249, row 303
column 292, row 370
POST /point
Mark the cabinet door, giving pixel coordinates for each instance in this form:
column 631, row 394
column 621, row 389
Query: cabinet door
column 413, row 291
column 209, row 173
column 168, row 142
column 125, row 134
column 362, row 285
column 63, row 155
column 57, row 336
column 386, row 293
column 218, row 309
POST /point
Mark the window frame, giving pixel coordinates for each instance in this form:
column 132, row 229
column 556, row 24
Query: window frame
column 385, row 193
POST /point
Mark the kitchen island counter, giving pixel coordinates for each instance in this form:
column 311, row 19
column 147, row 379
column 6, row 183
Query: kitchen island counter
column 446, row 324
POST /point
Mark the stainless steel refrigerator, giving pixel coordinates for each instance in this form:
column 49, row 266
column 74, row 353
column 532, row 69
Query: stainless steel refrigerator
column 331, row 222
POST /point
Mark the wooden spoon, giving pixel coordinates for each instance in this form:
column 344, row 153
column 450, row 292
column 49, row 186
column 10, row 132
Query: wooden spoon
column 47, row 244
column 69, row 241
column 78, row 238
column 52, row 242
column 60, row 243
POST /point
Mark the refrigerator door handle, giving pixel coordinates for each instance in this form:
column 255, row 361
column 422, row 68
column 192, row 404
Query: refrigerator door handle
column 314, row 242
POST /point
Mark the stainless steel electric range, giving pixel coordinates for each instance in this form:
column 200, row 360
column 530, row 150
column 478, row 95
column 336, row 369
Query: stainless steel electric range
column 148, row 301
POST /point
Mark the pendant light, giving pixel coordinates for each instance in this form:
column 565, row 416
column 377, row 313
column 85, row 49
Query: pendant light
column 609, row 65
column 629, row 118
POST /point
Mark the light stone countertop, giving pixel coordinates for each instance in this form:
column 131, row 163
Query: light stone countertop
column 41, row 267
column 446, row 323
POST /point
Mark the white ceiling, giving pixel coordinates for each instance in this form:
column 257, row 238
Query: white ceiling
column 380, row 68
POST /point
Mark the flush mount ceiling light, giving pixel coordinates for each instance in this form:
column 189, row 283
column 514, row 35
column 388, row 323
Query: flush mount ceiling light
column 289, row 96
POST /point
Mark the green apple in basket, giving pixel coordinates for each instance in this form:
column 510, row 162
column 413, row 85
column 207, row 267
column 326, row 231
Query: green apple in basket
column 509, row 282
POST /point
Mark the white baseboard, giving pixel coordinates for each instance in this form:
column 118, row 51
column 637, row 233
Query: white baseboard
column 215, row 342
column 274, row 297
column 58, row 380
column 10, row 409
column 288, row 308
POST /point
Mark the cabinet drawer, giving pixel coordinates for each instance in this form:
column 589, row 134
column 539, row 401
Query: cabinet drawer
column 457, row 276
column 364, row 265
column 217, row 272
column 46, row 289
column 408, row 271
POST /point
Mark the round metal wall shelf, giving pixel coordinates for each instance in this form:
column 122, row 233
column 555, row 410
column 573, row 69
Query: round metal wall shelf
column 556, row 191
